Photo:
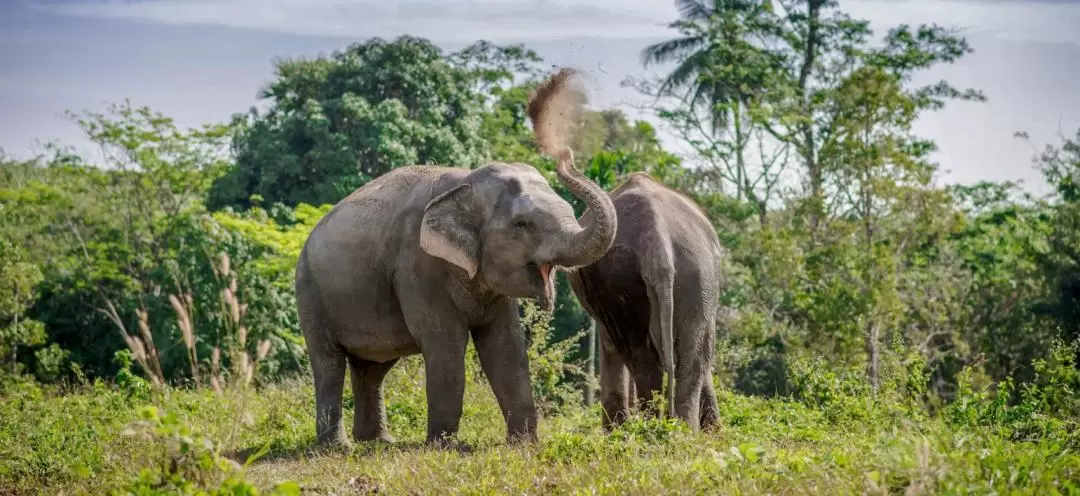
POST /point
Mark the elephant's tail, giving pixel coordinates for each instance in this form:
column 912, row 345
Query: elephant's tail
column 659, row 271
column 664, row 293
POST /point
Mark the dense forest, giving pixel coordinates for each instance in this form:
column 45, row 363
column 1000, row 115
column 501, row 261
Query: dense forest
column 859, row 291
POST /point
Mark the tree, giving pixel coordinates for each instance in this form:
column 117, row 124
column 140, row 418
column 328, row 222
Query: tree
column 724, row 70
column 822, row 47
column 882, row 177
column 1060, row 166
column 336, row 122
column 716, row 36
column 130, row 258
column 18, row 281
column 811, row 80
column 995, row 321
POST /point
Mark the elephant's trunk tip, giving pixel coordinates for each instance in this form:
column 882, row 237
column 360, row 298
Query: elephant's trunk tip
column 554, row 108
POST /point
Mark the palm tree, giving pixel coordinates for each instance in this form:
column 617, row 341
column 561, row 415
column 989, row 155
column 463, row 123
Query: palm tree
column 713, row 54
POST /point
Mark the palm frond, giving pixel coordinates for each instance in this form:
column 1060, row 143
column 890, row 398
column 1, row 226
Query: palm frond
column 701, row 10
column 694, row 53
column 686, row 72
column 671, row 50
column 693, row 10
column 709, row 96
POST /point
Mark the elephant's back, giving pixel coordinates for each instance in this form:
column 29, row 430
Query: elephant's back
column 651, row 206
column 398, row 190
column 378, row 205
column 350, row 250
column 662, row 216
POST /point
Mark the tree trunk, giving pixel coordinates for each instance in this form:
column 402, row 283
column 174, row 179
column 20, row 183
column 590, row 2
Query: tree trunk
column 873, row 371
column 15, row 344
column 866, row 197
column 808, row 148
column 740, row 161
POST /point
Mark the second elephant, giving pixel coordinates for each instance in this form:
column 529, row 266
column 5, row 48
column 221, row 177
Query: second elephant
column 653, row 296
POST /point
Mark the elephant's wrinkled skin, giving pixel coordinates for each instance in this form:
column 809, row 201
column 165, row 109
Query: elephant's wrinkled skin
column 654, row 297
column 419, row 259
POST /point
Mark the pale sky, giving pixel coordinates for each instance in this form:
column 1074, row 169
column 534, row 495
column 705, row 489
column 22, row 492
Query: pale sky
column 199, row 61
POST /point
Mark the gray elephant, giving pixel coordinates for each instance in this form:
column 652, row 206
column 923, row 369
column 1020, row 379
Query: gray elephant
column 654, row 297
column 420, row 259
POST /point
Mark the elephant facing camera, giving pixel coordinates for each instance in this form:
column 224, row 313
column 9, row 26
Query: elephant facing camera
column 422, row 259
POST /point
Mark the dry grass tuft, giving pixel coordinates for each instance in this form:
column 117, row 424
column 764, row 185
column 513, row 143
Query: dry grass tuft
column 245, row 365
column 144, row 350
column 240, row 363
column 187, row 330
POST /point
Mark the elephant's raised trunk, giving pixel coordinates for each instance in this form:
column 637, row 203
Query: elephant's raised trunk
column 553, row 109
column 598, row 223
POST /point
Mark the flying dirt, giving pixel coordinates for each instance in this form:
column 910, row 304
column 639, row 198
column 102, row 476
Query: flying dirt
column 554, row 108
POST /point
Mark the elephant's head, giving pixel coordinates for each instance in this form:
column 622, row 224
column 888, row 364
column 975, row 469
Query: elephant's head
column 506, row 225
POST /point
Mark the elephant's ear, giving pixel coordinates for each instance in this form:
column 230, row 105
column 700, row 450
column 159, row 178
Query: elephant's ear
column 448, row 231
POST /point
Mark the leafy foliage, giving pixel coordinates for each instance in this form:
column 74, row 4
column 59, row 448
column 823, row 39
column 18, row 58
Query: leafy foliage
column 334, row 123
column 905, row 336
column 834, row 438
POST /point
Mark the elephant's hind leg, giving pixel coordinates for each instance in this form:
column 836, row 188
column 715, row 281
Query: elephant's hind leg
column 648, row 378
column 710, row 410
column 327, row 364
column 328, row 367
column 369, row 416
column 695, row 398
column 616, row 390
column 709, row 414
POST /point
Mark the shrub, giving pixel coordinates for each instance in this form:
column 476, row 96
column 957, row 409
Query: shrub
column 189, row 463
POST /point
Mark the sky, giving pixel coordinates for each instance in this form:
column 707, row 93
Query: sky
column 199, row 61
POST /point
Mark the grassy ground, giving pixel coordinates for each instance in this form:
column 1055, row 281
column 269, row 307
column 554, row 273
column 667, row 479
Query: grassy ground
column 85, row 442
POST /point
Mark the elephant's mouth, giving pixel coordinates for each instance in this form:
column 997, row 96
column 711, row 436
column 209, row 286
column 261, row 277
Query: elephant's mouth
column 544, row 275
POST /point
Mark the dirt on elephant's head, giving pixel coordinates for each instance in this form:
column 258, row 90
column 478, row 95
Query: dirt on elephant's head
column 554, row 109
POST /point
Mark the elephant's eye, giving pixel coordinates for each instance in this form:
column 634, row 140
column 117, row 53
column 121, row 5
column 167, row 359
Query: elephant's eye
column 522, row 224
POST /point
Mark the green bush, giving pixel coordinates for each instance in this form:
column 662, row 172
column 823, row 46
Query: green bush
column 189, row 463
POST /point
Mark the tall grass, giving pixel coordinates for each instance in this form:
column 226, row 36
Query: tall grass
column 242, row 363
column 830, row 436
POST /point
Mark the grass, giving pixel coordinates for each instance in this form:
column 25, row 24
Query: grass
column 83, row 442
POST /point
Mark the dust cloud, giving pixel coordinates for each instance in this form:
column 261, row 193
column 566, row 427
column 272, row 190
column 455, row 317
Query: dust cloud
column 555, row 108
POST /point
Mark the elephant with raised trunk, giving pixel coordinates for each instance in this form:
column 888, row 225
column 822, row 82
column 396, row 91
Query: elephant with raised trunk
column 421, row 259
column 653, row 296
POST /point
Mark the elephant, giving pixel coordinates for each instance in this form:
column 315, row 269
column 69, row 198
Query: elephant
column 422, row 258
column 653, row 296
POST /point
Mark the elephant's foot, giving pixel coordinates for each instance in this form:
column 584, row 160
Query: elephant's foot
column 612, row 421
column 382, row 437
column 332, row 442
column 710, row 419
column 522, row 429
column 445, row 444
column 330, row 433
column 522, row 438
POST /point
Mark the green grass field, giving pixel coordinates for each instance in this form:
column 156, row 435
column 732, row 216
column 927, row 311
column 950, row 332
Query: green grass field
column 89, row 441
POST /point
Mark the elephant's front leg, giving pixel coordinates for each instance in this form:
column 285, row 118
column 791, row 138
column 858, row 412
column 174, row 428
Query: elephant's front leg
column 503, row 355
column 444, row 370
column 442, row 336
column 369, row 412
